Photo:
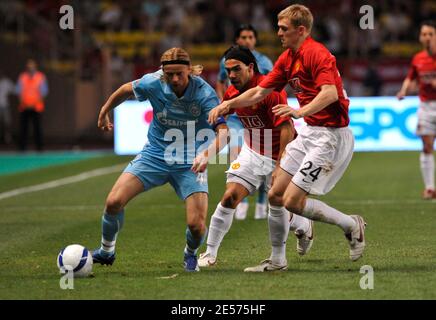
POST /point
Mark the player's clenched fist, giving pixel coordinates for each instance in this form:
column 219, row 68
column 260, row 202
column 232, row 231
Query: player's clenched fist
column 220, row 110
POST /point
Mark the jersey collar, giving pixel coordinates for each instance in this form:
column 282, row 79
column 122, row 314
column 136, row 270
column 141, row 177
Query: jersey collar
column 305, row 43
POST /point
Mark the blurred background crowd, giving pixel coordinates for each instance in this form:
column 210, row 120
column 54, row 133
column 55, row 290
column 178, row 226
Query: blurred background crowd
column 114, row 42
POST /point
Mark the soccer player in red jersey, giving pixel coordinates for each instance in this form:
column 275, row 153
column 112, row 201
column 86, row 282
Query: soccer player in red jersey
column 266, row 136
column 423, row 70
column 318, row 157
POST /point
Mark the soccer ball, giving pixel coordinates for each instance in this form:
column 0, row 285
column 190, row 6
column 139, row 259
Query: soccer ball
column 75, row 258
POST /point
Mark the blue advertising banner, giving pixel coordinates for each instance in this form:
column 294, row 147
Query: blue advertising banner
column 378, row 124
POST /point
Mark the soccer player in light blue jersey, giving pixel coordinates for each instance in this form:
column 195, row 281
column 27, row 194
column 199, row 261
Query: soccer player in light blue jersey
column 245, row 35
column 178, row 149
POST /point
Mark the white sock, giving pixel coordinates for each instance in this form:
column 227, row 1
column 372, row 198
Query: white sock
column 220, row 224
column 278, row 223
column 318, row 211
column 427, row 169
column 299, row 223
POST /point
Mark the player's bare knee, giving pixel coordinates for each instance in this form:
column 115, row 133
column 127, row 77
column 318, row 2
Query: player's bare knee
column 230, row 199
column 114, row 204
column 196, row 227
column 274, row 198
column 294, row 204
column 428, row 149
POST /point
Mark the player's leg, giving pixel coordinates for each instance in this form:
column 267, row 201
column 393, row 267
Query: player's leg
column 296, row 200
column 427, row 166
column 7, row 125
column 321, row 168
column 2, row 124
column 301, row 226
column 196, row 231
column 280, row 221
column 426, row 129
column 235, row 145
column 221, row 221
column 261, row 204
column 24, row 128
column 125, row 188
column 195, row 195
column 142, row 174
column 37, row 129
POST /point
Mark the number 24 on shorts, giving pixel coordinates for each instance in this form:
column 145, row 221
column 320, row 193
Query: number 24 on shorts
column 313, row 173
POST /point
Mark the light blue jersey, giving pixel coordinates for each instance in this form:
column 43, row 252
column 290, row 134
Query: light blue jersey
column 264, row 64
column 179, row 128
column 171, row 115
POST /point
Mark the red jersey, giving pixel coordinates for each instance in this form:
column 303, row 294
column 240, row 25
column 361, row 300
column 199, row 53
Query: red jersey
column 423, row 68
column 259, row 117
column 306, row 71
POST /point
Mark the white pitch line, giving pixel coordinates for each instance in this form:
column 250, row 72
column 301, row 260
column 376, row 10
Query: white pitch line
column 61, row 182
column 382, row 202
column 76, row 207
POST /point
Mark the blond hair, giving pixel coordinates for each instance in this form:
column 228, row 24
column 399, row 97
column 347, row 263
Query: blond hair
column 180, row 54
column 298, row 15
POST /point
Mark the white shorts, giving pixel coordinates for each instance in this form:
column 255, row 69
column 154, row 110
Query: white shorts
column 250, row 169
column 318, row 157
column 426, row 119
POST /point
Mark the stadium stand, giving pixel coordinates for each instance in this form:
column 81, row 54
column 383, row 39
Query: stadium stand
column 117, row 41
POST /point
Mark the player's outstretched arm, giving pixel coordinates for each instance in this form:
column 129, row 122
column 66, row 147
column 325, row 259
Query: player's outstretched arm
column 120, row 95
column 404, row 88
column 221, row 140
column 248, row 98
column 325, row 97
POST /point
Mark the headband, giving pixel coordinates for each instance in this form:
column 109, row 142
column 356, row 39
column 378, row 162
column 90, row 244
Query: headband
column 185, row 62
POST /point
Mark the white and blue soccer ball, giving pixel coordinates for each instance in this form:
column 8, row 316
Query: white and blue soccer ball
column 75, row 258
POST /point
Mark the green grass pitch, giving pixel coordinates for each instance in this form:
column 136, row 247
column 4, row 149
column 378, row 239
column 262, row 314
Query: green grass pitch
column 385, row 188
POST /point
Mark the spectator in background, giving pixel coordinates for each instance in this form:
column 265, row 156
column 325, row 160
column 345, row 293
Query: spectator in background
column 260, row 19
column 32, row 88
column 6, row 88
column 116, row 67
column 172, row 39
column 245, row 35
column 111, row 17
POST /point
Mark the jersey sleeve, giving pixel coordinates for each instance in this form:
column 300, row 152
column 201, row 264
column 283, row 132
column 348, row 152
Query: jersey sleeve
column 142, row 86
column 273, row 99
column 276, row 79
column 323, row 67
column 226, row 95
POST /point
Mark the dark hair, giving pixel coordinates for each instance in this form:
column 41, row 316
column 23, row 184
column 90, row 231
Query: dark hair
column 245, row 27
column 429, row 23
column 243, row 54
